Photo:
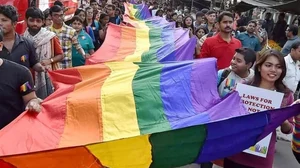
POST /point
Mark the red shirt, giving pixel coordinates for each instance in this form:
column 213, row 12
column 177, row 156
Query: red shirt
column 220, row 49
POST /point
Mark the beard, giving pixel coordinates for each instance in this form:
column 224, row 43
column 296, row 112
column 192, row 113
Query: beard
column 34, row 30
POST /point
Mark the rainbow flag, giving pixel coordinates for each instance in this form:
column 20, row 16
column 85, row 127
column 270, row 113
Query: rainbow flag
column 135, row 115
column 137, row 11
column 144, row 45
column 144, row 39
column 147, row 110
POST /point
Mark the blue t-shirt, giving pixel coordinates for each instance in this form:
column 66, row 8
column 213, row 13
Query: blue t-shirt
column 249, row 41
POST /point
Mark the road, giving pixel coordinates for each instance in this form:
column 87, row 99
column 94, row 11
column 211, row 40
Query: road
column 284, row 157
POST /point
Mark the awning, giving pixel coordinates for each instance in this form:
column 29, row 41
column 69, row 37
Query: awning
column 290, row 7
column 246, row 5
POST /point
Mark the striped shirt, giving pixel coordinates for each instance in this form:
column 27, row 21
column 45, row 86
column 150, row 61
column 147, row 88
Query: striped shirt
column 296, row 136
column 67, row 37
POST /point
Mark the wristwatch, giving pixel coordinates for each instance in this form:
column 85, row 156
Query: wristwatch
column 51, row 60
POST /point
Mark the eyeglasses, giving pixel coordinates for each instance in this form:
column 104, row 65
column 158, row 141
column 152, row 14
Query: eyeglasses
column 58, row 15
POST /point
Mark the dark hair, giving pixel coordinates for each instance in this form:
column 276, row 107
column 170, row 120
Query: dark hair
column 295, row 45
column 203, row 28
column 58, row 3
column 282, row 14
column 269, row 13
column 225, row 13
column 9, row 11
column 1, row 35
column 112, row 6
column 173, row 14
column 34, row 12
column 79, row 10
column 199, row 14
column 204, row 10
column 178, row 24
column 293, row 29
column 298, row 19
column 248, row 53
column 242, row 29
column 262, row 57
column 102, row 16
column 55, row 8
column 252, row 21
column 46, row 13
column 119, row 10
column 91, row 1
column 211, row 12
column 156, row 14
column 76, row 18
column 185, row 26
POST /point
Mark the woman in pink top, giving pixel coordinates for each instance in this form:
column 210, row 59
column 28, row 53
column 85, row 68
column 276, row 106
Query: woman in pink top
column 270, row 69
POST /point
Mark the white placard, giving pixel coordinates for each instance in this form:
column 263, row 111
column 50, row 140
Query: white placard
column 256, row 100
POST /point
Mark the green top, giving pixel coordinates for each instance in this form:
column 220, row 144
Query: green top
column 86, row 43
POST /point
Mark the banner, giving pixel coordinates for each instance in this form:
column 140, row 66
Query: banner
column 256, row 100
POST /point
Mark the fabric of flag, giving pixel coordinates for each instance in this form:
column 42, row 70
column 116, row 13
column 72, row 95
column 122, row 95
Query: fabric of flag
column 137, row 11
column 136, row 107
column 124, row 114
column 130, row 44
column 144, row 39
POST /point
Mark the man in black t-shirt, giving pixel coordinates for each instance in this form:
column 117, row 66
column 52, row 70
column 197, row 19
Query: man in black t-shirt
column 16, row 88
column 16, row 48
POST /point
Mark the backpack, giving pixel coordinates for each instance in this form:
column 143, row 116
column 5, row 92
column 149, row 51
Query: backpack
column 224, row 75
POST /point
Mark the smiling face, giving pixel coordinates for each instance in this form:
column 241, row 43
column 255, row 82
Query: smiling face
column 82, row 15
column 238, row 64
column 77, row 25
column 270, row 70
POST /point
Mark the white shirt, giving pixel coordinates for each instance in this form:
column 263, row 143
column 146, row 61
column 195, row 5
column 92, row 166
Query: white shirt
column 292, row 73
column 230, row 82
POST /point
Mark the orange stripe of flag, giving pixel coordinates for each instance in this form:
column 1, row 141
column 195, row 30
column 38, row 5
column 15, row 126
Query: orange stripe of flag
column 84, row 112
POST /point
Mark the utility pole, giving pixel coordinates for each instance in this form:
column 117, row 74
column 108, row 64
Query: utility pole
column 212, row 4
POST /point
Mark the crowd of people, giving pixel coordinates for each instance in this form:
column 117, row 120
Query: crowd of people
column 239, row 44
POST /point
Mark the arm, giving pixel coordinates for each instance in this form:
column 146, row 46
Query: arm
column 102, row 32
column 205, row 51
column 257, row 46
column 33, row 61
column 58, row 53
column 287, row 126
column 76, row 43
column 257, row 34
column 30, row 99
column 198, row 48
column 91, row 46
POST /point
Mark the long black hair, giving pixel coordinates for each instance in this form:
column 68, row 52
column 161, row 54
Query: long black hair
column 261, row 59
